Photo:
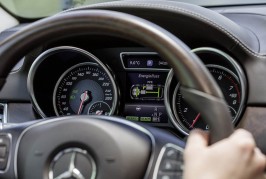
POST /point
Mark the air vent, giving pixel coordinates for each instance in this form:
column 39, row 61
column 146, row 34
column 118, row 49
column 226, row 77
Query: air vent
column 3, row 113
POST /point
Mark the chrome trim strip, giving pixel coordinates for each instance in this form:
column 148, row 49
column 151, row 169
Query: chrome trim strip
column 168, row 104
column 4, row 120
column 18, row 66
column 52, row 51
column 118, row 120
column 141, row 69
column 182, row 127
column 160, row 157
column 240, row 77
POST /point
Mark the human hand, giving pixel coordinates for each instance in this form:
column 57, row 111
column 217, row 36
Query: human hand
column 235, row 157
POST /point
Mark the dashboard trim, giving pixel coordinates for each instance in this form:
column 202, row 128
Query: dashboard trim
column 4, row 121
column 213, row 20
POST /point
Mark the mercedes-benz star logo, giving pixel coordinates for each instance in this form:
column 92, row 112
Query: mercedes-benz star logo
column 73, row 163
column 72, row 172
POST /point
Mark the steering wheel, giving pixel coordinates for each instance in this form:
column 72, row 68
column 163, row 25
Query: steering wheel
column 104, row 146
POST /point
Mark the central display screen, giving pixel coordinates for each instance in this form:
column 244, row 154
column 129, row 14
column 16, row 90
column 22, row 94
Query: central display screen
column 144, row 98
column 145, row 86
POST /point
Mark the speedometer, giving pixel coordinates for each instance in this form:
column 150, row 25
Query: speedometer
column 81, row 87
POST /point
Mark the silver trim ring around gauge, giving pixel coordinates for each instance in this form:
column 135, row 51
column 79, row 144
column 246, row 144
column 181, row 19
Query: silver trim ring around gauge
column 240, row 77
column 75, row 66
column 52, row 51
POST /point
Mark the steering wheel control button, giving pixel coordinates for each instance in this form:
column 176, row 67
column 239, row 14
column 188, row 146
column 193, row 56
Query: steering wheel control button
column 170, row 163
column 169, row 176
column 5, row 141
column 172, row 154
column 3, row 151
column 72, row 163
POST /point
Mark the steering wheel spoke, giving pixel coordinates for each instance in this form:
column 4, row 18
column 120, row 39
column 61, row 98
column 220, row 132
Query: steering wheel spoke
column 9, row 137
column 106, row 142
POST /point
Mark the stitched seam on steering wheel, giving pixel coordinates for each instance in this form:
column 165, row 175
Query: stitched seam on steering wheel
column 177, row 9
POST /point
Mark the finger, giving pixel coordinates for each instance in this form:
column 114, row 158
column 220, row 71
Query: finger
column 241, row 133
column 197, row 139
column 244, row 140
column 259, row 161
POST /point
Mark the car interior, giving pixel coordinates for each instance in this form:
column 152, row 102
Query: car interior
column 113, row 89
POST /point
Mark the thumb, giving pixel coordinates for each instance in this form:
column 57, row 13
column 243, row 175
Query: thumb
column 197, row 139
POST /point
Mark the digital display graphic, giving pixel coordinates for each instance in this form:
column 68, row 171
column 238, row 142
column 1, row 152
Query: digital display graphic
column 144, row 98
column 146, row 113
column 140, row 61
column 145, row 86
column 146, row 91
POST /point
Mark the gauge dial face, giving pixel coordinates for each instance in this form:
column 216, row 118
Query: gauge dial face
column 83, row 86
column 229, row 83
column 99, row 108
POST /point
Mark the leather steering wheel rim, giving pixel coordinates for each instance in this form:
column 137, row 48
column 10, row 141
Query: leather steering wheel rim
column 198, row 86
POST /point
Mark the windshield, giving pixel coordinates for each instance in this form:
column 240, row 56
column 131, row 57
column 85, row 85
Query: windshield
column 43, row 8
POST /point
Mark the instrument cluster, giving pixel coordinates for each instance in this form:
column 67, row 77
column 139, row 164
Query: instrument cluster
column 136, row 85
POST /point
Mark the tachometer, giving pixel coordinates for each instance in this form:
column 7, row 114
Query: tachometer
column 229, row 77
column 229, row 83
column 84, row 87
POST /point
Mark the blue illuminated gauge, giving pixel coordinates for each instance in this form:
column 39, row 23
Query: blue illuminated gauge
column 85, row 88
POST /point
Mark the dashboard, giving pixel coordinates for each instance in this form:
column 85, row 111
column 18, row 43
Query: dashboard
column 102, row 75
column 81, row 88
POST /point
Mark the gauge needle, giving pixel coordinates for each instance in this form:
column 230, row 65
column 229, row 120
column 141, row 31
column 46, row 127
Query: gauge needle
column 99, row 112
column 195, row 120
column 85, row 97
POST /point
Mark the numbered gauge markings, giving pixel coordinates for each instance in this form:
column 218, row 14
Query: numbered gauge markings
column 85, row 88
column 229, row 83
